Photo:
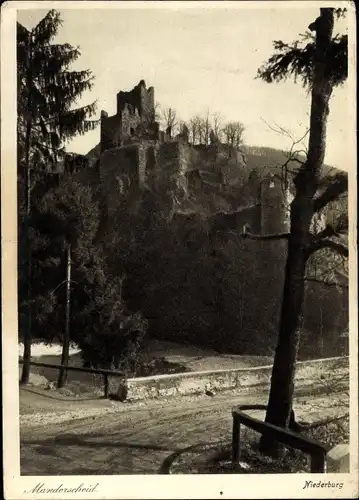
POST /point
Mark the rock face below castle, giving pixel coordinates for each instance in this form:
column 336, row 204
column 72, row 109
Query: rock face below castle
column 136, row 154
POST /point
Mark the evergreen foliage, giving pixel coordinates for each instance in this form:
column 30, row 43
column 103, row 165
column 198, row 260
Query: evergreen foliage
column 48, row 91
column 47, row 117
column 101, row 325
column 296, row 59
column 56, row 210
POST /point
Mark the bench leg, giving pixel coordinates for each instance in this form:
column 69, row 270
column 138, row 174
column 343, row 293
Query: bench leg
column 106, row 385
column 235, row 440
column 318, row 463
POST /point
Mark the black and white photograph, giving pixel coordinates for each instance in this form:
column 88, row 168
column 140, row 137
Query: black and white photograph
column 179, row 249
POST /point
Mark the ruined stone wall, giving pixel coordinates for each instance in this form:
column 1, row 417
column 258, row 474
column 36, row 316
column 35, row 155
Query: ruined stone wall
column 119, row 174
column 178, row 169
column 275, row 202
column 151, row 160
column 135, row 110
column 147, row 165
column 150, row 100
column 119, row 129
column 147, row 97
column 130, row 121
column 111, row 129
column 139, row 98
column 172, row 164
column 221, row 223
column 216, row 169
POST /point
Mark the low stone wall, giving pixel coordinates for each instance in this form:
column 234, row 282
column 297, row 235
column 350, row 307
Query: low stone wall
column 315, row 372
column 338, row 459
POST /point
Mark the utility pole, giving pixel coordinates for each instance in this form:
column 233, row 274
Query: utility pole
column 66, row 339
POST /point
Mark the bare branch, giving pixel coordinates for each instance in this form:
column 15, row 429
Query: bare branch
column 170, row 119
column 278, row 129
column 293, row 155
column 194, row 127
column 339, row 228
column 327, row 232
column 278, row 236
column 338, row 185
column 327, row 283
column 327, row 421
column 295, row 160
column 206, row 127
column 217, row 121
column 328, row 267
column 336, row 246
column 233, row 133
column 302, row 151
column 283, row 131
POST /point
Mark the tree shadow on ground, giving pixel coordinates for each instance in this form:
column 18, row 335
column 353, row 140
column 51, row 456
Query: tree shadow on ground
column 93, row 441
column 53, row 454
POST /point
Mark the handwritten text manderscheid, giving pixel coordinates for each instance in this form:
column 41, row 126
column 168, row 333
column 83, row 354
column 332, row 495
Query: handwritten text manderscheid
column 81, row 488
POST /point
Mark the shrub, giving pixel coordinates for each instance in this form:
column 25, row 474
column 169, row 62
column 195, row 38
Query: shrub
column 110, row 336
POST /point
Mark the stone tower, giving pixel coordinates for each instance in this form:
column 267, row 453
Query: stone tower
column 134, row 118
column 275, row 200
column 139, row 98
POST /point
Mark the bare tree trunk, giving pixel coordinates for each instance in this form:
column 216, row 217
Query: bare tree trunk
column 66, row 341
column 302, row 210
column 282, row 381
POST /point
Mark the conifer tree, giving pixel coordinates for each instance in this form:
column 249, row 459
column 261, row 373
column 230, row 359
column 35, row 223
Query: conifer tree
column 108, row 334
column 68, row 217
column 48, row 91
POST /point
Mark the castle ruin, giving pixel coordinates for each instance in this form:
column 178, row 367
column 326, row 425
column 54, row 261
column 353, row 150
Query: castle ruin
column 136, row 153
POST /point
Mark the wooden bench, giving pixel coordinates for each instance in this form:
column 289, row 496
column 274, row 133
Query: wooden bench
column 316, row 450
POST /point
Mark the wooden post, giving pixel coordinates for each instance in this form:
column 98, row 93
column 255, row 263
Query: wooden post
column 105, row 375
column 318, row 462
column 235, row 439
column 66, row 341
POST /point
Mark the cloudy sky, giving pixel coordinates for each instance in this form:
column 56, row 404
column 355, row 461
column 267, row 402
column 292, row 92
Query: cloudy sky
column 197, row 59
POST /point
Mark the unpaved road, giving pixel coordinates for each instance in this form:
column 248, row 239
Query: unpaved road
column 61, row 437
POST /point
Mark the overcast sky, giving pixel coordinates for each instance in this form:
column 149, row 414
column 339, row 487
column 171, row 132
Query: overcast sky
column 199, row 59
